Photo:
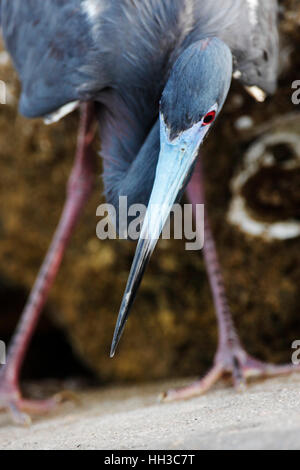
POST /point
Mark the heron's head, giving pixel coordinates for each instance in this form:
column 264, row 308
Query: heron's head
column 196, row 90
column 191, row 101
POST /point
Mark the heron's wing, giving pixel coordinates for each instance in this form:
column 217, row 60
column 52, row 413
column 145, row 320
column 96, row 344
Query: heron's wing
column 51, row 44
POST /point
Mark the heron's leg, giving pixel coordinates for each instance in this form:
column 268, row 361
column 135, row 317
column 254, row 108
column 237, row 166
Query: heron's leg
column 231, row 357
column 78, row 191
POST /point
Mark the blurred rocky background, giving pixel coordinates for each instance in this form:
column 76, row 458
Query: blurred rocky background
column 172, row 329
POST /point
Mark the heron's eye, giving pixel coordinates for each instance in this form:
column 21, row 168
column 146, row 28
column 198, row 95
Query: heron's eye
column 209, row 118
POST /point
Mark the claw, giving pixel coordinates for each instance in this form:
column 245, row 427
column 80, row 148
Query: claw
column 23, row 419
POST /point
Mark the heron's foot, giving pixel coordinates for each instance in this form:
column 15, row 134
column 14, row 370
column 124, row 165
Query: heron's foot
column 20, row 408
column 235, row 363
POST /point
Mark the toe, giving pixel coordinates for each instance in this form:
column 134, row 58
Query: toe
column 238, row 376
column 18, row 417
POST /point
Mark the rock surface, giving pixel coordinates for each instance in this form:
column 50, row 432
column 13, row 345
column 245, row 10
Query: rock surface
column 266, row 416
column 172, row 330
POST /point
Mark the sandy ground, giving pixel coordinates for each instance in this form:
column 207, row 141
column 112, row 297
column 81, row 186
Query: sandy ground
column 266, row 416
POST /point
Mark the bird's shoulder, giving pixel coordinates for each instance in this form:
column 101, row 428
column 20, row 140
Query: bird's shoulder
column 50, row 42
column 254, row 40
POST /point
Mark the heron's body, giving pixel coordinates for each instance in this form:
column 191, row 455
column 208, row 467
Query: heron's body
column 73, row 50
column 119, row 53
column 158, row 72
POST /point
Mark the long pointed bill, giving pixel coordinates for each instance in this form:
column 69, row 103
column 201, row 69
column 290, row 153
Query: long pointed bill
column 174, row 167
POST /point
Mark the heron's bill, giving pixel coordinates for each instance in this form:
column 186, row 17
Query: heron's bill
column 175, row 164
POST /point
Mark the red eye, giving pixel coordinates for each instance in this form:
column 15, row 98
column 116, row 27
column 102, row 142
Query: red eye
column 209, row 118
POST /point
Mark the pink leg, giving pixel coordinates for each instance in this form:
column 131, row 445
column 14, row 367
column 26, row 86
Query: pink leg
column 78, row 191
column 231, row 358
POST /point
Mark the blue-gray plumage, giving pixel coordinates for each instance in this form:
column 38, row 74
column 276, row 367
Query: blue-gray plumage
column 158, row 72
column 73, row 49
column 119, row 53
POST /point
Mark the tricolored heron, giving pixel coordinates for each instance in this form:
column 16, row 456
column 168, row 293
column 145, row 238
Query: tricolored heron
column 155, row 74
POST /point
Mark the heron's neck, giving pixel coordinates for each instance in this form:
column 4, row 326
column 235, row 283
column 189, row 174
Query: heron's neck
column 129, row 162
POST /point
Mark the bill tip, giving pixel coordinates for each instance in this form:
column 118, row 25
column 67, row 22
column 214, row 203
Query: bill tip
column 112, row 352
